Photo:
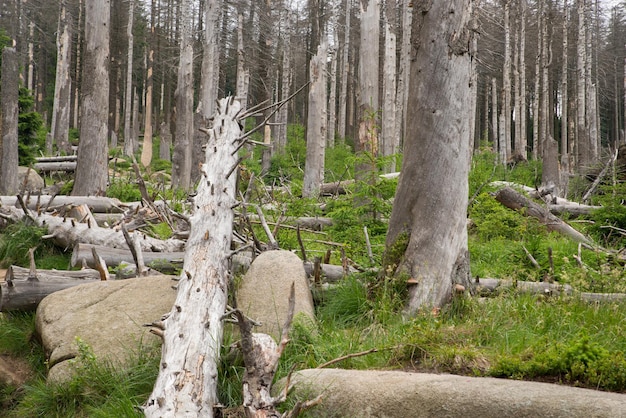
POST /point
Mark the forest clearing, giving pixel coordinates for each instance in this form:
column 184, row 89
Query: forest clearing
column 442, row 183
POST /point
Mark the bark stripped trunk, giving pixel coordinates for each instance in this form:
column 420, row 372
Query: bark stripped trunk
column 92, row 164
column 77, row 69
column 316, row 126
column 428, row 245
column 583, row 151
column 129, row 138
column 345, row 69
column 506, row 85
column 146, row 149
column 62, row 86
column 389, row 136
column 565, row 145
column 181, row 164
column 192, row 332
column 405, row 67
column 243, row 74
column 8, row 123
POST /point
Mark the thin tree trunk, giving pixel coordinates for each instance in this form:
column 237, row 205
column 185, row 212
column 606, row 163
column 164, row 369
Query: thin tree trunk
column 92, row 164
column 243, row 74
column 582, row 136
column 8, row 122
column 506, row 82
column 331, row 131
column 345, row 69
column 78, row 72
column 146, row 149
column 403, row 75
column 62, row 85
column 129, row 138
column 192, row 331
column 389, row 136
column 282, row 116
column 316, row 125
column 564, row 91
column 181, row 167
column 523, row 139
column 494, row 112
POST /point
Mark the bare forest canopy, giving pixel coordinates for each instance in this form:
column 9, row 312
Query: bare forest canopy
column 545, row 68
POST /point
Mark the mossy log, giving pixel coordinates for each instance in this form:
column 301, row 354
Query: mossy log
column 23, row 288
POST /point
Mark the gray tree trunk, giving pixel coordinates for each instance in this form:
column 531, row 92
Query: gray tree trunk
column 146, row 149
column 316, row 124
column 389, row 135
column 583, row 151
column 77, row 71
column 192, row 332
column 8, row 123
column 243, row 73
column 92, row 164
column 405, row 67
column 183, row 142
column 565, row 146
column 506, row 83
column 427, row 236
column 332, row 98
column 62, row 85
column 129, row 137
column 345, row 69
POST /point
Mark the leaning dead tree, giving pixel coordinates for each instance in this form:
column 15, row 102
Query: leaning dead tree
column 192, row 331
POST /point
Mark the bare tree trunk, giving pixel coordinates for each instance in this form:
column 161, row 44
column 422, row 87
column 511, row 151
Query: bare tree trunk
column 282, row 116
column 181, row 167
column 243, row 74
column 582, row 136
column 494, row 112
column 331, row 130
column 210, row 60
column 537, row 88
column 30, row 83
column 564, row 91
column 129, row 138
column 389, row 136
column 523, row 140
column 146, row 149
column 62, row 85
column 78, row 72
column 345, row 69
column 8, row 122
column 192, row 331
column 316, row 125
column 403, row 76
column 367, row 141
column 426, row 245
column 506, row 83
column 92, row 164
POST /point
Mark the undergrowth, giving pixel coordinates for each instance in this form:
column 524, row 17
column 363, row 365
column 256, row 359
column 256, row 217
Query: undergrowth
column 554, row 339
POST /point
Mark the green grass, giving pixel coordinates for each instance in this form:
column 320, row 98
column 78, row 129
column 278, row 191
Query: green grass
column 553, row 339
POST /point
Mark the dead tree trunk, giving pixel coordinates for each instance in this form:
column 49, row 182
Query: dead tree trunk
column 62, row 85
column 192, row 331
column 513, row 200
column 24, row 289
column 9, row 111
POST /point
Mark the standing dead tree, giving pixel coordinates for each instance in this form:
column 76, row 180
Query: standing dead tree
column 192, row 331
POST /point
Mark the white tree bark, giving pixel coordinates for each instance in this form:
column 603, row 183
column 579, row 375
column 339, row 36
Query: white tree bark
column 146, row 149
column 405, row 67
column 129, row 137
column 316, row 124
column 432, row 243
column 62, row 85
column 92, row 164
column 345, row 69
column 506, row 83
column 332, row 97
column 389, row 136
column 78, row 72
column 582, row 136
column 285, row 88
column 243, row 73
column 494, row 112
column 210, row 59
column 565, row 146
column 192, row 332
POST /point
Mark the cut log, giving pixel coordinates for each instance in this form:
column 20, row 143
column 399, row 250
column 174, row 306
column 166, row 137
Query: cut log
column 67, row 233
column 331, row 272
column 57, row 158
column 514, row 200
column 23, row 292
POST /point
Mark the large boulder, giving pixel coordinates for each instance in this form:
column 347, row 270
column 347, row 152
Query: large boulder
column 29, row 180
column 108, row 316
column 397, row 394
column 264, row 291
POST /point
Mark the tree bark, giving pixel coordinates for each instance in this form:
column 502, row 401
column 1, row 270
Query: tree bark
column 427, row 236
column 92, row 166
column 82, row 253
column 146, row 148
column 62, row 85
column 389, row 136
column 506, row 84
column 23, row 291
column 181, row 164
column 316, row 125
column 8, row 123
column 192, row 332
column 129, row 137
column 345, row 69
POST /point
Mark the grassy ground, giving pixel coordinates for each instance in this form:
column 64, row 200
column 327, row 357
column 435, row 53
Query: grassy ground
column 554, row 339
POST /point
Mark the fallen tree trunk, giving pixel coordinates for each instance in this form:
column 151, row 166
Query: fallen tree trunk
column 67, row 233
column 95, row 203
column 58, row 158
column 332, row 273
column 192, row 331
column 488, row 287
column 514, row 200
column 23, row 290
column 82, row 254
column 47, row 167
